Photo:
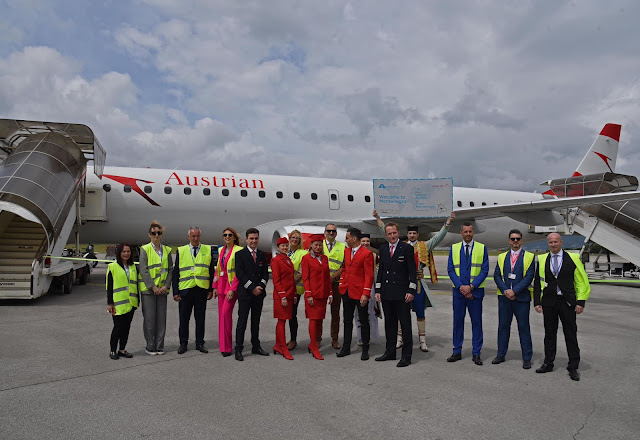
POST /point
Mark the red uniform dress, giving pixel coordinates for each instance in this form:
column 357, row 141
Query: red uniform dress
column 317, row 284
column 283, row 286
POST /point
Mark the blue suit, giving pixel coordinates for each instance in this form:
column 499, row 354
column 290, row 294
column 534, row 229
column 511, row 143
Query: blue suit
column 461, row 304
column 519, row 307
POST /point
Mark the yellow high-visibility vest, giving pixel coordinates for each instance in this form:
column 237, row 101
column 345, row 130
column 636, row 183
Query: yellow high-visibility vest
column 336, row 256
column 231, row 264
column 125, row 288
column 158, row 269
column 296, row 259
column 528, row 259
column 194, row 271
column 580, row 278
column 477, row 255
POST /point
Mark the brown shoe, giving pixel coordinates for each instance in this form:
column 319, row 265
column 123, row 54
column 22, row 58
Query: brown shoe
column 335, row 344
column 291, row 345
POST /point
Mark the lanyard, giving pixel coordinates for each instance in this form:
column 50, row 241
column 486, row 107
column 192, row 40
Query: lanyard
column 514, row 260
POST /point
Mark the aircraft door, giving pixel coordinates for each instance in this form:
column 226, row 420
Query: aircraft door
column 95, row 205
column 334, row 199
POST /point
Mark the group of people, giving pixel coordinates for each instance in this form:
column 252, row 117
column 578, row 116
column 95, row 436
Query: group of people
column 354, row 274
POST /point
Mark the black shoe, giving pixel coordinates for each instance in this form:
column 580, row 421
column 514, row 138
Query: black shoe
column 454, row 357
column 226, row 353
column 526, row 365
column 476, row 359
column 260, row 351
column 344, row 352
column 182, row 349
column 125, row 354
column 545, row 368
column 365, row 354
column 239, row 356
column 201, row 349
column 404, row 362
column 386, row 357
column 574, row 374
column 497, row 360
column 114, row 355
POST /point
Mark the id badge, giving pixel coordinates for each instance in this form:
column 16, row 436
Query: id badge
column 512, row 276
column 193, row 269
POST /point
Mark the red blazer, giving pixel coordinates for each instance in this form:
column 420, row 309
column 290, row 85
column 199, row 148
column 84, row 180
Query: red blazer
column 316, row 278
column 282, row 276
column 357, row 274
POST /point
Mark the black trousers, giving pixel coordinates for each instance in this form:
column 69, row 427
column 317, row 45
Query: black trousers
column 252, row 304
column 120, row 332
column 395, row 311
column 348, row 307
column 195, row 299
column 293, row 322
column 567, row 314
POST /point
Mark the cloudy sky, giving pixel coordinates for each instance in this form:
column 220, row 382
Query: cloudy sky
column 496, row 94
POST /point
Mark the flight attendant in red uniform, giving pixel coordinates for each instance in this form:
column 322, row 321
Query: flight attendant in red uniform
column 317, row 290
column 284, row 294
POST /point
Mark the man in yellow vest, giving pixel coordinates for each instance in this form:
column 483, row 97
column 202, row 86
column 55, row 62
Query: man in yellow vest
column 513, row 276
column 468, row 267
column 334, row 250
column 560, row 290
column 193, row 274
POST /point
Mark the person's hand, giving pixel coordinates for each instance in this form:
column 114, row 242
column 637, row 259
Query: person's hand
column 156, row 291
column 295, row 299
column 408, row 298
column 579, row 309
column 465, row 290
column 364, row 299
column 215, row 293
column 176, row 297
column 230, row 294
column 163, row 290
column 510, row 294
column 284, row 302
column 310, row 301
column 538, row 309
column 257, row 290
column 330, row 299
column 378, row 297
column 210, row 295
column 375, row 214
column 451, row 217
column 297, row 277
column 111, row 309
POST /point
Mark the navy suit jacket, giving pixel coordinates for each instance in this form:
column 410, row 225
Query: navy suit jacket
column 520, row 285
column 251, row 274
column 465, row 273
column 397, row 275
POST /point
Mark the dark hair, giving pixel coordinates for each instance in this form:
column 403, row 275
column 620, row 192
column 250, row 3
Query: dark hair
column 515, row 231
column 156, row 224
column 466, row 224
column 251, row 231
column 119, row 249
column 392, row 224
column 355, row 232
column 236, row 238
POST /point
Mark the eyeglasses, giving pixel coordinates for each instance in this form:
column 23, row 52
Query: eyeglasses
column 154, row 233
column 330, row 231
column 515, row 238
column 227, row 235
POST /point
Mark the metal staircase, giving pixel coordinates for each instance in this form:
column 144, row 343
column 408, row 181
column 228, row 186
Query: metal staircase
column 18, row 245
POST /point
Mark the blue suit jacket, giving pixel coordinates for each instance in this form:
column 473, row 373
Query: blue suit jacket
column 465, row 273
column 521, row 283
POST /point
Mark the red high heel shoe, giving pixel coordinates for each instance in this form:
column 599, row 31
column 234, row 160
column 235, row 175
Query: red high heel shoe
column 316, row 353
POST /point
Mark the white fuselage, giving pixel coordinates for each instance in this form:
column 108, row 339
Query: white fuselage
column 248, row 200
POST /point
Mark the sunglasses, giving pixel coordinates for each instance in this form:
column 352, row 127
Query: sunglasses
column 515, row 238
column 330, row 231
column 156, row 233
column 227, row 235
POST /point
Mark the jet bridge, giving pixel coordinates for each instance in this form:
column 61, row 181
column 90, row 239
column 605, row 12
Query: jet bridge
column 42, row 176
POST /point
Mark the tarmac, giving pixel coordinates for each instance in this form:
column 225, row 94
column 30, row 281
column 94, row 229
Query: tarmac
column 57, row 381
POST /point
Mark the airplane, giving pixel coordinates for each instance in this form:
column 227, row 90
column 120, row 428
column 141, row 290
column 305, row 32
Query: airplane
column 120, row 206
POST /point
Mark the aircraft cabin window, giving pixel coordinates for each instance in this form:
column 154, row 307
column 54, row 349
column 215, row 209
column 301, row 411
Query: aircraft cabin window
column 206, row 192
column 472, row 204
column 262, row 194
column 296, row 195
column 314, row 196
column 350, row 198
column 106, row 187
column 187, row 191
column 484, row 203
column 459, row 204
column 367, row 199
column 279, row 194
column 334, row 197
column 127, row 188
column 225, row 192
column 495, row 203
column 243, row 193
column 147, row 189
column 167, row 190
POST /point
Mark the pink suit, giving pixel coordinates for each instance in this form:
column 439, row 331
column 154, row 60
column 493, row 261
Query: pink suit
column 225, row 308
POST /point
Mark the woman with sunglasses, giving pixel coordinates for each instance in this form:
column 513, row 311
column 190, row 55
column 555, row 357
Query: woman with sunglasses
column 296, row 252
column 122, row 299
column 225, row 286
column 155, row 266
column 284, row 294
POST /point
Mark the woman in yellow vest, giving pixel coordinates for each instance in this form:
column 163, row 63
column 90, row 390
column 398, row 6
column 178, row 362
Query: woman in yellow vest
column 155, row 266
column 122, row 299
column 225, row 286
column 296, row 252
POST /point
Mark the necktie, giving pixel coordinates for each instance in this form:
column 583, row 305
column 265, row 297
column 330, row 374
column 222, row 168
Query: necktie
column 329, row 246
column 195, row 251
column 554, row 260
column 391, row 252
column 254, row 256
column 466, row 250
column 353, row 252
